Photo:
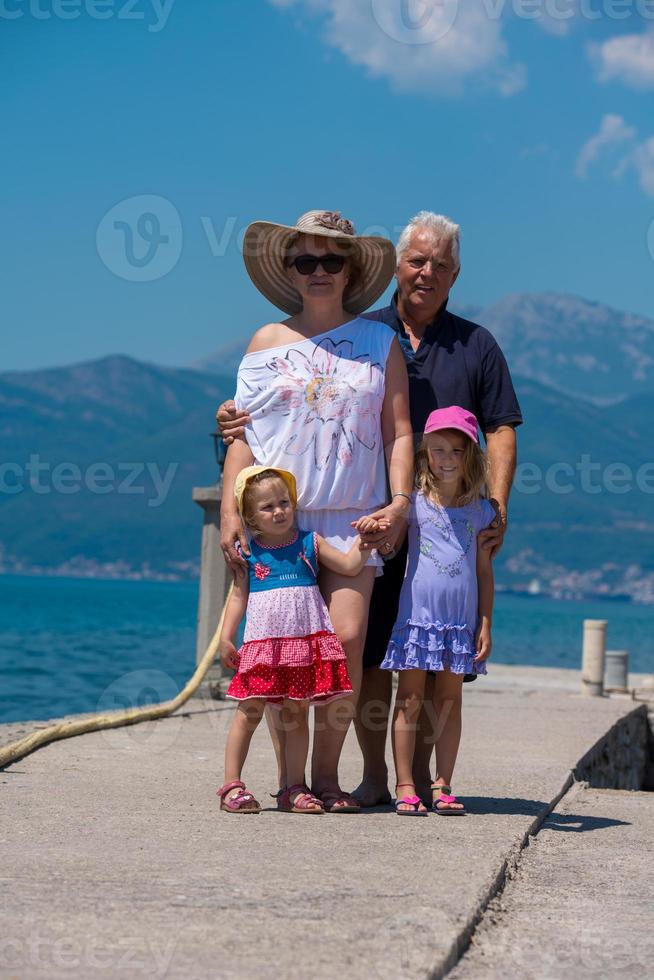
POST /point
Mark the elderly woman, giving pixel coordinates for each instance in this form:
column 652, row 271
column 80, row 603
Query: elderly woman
column 327, row 396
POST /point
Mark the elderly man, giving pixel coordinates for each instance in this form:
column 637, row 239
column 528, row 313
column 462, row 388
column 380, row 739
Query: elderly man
column 450, row 361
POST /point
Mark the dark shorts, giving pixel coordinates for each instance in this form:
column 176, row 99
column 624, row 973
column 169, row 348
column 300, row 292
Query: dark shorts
column 384, row 605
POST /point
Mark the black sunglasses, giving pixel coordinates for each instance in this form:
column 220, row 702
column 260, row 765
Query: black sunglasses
column 306, row 265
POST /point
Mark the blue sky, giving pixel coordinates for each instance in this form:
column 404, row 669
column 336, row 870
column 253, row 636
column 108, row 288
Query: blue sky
column 537, row 135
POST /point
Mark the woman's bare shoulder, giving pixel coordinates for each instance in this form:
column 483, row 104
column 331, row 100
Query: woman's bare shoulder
column 270, row 335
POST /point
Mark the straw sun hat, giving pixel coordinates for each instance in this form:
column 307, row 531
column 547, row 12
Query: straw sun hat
column 266, row 245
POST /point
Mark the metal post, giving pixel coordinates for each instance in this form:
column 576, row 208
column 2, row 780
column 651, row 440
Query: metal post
column 214, row 583
column 592, row 666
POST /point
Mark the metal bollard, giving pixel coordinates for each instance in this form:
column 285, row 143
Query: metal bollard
column 616, row 670
column 592, row 658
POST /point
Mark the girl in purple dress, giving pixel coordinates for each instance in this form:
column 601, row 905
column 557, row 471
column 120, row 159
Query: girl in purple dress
column 444, row 619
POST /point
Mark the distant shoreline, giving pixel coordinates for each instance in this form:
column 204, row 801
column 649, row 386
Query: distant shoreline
column 102, row 575
column 193, row 577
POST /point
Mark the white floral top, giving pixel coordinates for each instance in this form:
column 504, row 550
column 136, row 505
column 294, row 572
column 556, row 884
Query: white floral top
column 316, row 411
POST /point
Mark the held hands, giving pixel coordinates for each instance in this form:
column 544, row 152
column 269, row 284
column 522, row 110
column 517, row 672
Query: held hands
column 384, row 529
column 231, row 421
column 228, row 654
column 483, row 642
column 370, row 530
column 369, row 525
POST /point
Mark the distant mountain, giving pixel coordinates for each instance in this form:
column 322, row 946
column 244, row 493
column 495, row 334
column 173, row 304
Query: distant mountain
column 96, row 403
column 580, row 498
column 115, row 447
column 574, row 345
column 566, row 343
column 226, row 359
column 131, row 440
column 466, row 310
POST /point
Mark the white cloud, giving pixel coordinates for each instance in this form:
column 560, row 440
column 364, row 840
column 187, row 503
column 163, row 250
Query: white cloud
column 558, row 18
column 431, row 48
column 628, row 59
column 643, row 161
column 613, row 131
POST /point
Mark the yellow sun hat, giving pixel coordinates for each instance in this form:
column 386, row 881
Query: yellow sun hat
column 246, row 474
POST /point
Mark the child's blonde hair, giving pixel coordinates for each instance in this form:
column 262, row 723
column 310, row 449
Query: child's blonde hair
column 474, row 471
column 252, row 482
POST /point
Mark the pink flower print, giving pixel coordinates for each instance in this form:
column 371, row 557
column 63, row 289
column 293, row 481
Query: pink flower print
column 325, row 394
column 261, row 571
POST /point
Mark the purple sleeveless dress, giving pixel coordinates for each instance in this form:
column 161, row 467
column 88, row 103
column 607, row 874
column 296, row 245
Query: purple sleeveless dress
column 437, row 618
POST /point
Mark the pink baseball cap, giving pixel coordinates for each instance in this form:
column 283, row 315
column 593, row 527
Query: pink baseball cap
column 453, row 417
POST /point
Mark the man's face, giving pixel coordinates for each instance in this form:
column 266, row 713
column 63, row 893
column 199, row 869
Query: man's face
column 426, row 272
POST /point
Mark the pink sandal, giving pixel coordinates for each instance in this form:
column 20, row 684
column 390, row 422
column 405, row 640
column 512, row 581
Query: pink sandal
column 413, row 802
column 446, row 805
column 304, row 802
column 242, row 802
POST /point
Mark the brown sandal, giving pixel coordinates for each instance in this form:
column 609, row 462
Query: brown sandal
column 304, row 802
column 330, row 799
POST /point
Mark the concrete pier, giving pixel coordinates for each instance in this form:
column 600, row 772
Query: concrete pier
column 548, row 923
column 117, row 862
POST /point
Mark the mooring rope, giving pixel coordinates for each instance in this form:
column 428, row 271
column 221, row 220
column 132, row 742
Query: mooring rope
column 18, row 750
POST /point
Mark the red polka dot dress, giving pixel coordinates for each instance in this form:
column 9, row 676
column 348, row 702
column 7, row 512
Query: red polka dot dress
column 290, row 649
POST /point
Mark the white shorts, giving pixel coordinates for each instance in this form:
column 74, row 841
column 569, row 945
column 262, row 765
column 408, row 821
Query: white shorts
column 335, row 527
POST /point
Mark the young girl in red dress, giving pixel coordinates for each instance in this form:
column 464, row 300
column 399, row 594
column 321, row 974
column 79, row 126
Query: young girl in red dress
column 291, row 656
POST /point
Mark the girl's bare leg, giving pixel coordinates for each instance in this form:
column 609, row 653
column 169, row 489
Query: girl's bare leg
column 295, row 718
column 245, row 721
column 348, row 600
column 278, row 739
column 408, row 702
column 425, row 741
column 447, row 701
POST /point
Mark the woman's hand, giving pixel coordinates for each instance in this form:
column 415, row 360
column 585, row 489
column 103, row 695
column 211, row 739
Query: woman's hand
column 231, row 421
column 232, row 533
column 483, row 642
column 228, row 655
column 392, row 527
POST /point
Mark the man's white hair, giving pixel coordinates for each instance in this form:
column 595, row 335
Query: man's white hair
column 439, row 226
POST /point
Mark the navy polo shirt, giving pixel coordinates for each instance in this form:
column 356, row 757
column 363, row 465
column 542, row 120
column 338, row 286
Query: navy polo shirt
column 457, row 363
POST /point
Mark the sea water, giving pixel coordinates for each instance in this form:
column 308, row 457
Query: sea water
column 78, row 645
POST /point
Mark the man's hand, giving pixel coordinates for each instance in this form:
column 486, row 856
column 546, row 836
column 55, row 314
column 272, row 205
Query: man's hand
column 231, row 533
column 231, row 421
column 502, row 450
column 492, row 538
column 228, row 655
